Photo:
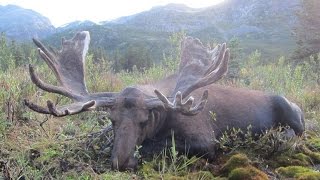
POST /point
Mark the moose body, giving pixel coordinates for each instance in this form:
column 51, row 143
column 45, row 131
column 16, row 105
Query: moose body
column 153, row 111
column 233, row 107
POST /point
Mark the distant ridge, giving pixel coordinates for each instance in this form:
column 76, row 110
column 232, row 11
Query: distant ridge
column 258, row 24
column 23, row 24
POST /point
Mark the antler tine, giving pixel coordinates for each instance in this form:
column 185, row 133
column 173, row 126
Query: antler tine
column 163, row 98
column 199, row 107
column 217, row 58
column 69, row 110
column 48, row 87
column 215, row 72
column 49, row 62
column 184, row 108
column 215, row 50
column 36, row 107
column 62, row 111
column 49, row 56
column 220, row 69
column 52, row 108
column 44, row 49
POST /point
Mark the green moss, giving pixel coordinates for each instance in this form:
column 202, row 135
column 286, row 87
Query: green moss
column 169, row 177
column 304, row 160
column 71, row 175
column 200, row 175
column 147, row 170
column 152, row 174
column 299, row 159
column 235, row 161
column 282, row 160
column 315, row 156
column 117, row 175
column 239, row 167
column 298, row 172
column 310, row 176
column 247, row 173
column 205, row 175
column 314, row 143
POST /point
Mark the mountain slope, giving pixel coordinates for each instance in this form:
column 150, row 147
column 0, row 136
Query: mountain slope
column 258, row 24
column 261, row 24
column 23, row 24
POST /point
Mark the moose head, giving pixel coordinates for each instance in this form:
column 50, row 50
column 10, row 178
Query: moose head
column 137, row 112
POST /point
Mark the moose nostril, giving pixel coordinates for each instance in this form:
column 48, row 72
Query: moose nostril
column 132, row 164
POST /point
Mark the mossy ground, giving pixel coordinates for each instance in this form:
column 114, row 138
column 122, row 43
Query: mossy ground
column 240, row 167
column 298, row 172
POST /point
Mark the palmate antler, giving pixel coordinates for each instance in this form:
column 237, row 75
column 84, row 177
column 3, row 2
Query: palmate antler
column 68, row 67
column 199, row 66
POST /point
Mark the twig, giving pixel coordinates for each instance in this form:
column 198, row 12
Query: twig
column 41, row 125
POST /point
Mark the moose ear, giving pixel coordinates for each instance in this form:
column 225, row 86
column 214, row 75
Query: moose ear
column 154, row 103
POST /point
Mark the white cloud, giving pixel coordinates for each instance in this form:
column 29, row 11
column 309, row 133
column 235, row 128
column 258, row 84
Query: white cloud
column 65, row 11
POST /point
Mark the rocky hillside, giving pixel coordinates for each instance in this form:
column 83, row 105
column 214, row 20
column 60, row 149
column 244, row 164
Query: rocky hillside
column 261, row 24
column 75, row 25
column 23, row 24
column 231, row 18
column 258, row 24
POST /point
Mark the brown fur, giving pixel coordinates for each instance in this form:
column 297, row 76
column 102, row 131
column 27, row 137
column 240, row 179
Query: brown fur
column 233, row 107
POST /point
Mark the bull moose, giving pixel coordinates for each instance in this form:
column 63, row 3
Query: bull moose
column 154, row 110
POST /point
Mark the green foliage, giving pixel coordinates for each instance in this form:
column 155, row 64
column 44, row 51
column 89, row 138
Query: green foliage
column 307, row 30
column 235, row 58
column 171, row 162
column 118, row 175
column 168, row 162
column 13, row 54
column 314, row 143
column 298, row 172
column 266, row 144
column 100, row 76
column 134, row 56
column 313, row 67
column 279, row 78
column 172, row 58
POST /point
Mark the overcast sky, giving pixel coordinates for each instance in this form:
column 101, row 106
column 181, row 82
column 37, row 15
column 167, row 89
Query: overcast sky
column 64, row 11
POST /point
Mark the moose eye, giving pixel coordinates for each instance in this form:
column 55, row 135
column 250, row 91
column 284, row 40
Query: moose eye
column 112, row 120
column 143, row 124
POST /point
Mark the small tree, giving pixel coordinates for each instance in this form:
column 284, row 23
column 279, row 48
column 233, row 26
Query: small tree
column 172, row 58
column 235, row 55
column 135, row 55
column 307, row 32
column 6, row 57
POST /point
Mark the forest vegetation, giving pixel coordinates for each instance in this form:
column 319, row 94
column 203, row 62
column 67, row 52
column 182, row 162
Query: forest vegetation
column 36, row 146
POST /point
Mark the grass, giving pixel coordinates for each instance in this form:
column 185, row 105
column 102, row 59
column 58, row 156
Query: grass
column 36, row 146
